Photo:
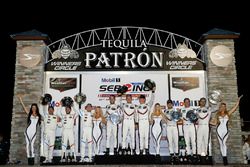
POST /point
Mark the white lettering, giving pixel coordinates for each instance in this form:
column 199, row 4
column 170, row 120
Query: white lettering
column 139, row 59
column 104, row 43
column 180, row 67
column 182, row 63
column 60, row 63
column 143, row 43
column 65, row 68
column 158, row 58
column 89, row 57
column 118, row 44
column 116, row 54
column 103, row 59
column 123, row 44
column 131, row 60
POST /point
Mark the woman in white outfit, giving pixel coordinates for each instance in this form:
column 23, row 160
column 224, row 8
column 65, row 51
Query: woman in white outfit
column 221, row 120
column 156, row 117
column 34, row 120
column 98, row 121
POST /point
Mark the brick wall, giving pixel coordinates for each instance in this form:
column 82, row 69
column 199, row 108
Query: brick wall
column 225, row 79
column 29, row 82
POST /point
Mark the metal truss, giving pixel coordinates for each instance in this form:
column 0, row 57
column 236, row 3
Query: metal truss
column 151, row 36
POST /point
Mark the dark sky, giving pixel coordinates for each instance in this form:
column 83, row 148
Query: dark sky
column 60, row 22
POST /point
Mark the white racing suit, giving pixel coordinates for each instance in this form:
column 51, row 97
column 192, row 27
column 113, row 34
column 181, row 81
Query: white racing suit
column 189, row 131
column 86, row 133
column 143, row 113
column 68, row 121
column 172, row 133
column 97, row 134
column 50, row 124
column 204, row 114
column 30, row 136
column 128, row 110
column 157, row 132
column 112, row 129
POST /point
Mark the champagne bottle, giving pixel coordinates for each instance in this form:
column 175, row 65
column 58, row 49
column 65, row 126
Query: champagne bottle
column 129, row 149
column 120, row 149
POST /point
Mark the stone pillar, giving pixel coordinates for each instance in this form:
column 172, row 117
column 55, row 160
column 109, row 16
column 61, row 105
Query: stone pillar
column 224, row 79
column 29, row 83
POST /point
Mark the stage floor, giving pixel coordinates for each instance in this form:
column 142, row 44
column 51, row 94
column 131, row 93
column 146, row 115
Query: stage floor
column 132, row 159
column 127, row 160
column 152, row 165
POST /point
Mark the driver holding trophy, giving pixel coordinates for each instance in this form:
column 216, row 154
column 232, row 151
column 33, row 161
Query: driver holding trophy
column 173, row 116
column 189, row 118
column 112, row 109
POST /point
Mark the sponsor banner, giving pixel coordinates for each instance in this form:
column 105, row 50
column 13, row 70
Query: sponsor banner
column 121, row 55
column 62, row 84
column 98, row 86
column 188, row 84
column 185, row 83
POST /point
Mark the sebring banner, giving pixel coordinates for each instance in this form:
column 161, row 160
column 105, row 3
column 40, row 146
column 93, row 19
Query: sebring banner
column 98, row 86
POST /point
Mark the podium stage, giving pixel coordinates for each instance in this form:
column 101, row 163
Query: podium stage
column 131, row 159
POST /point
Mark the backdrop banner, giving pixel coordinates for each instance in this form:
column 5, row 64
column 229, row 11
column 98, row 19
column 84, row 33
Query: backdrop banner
column 98, row 86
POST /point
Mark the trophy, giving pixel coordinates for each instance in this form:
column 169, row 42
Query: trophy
column 215, row 97
column 67, row 101
column 176, row 115
column 47, row 98
column 122, row 89
column 115, row 118
column 80, row 98
column 192, row 116
column 150, row 84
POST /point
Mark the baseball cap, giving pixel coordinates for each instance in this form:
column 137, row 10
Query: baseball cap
column 169, row 101
column 142, row 96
